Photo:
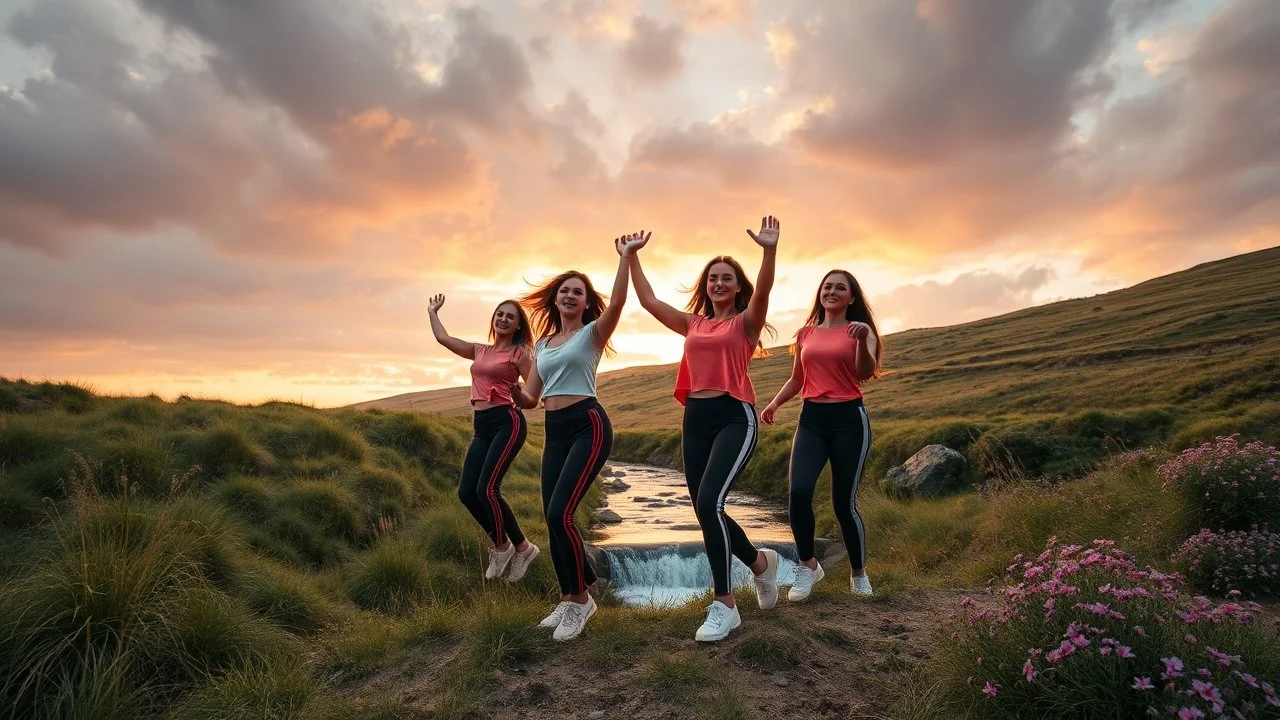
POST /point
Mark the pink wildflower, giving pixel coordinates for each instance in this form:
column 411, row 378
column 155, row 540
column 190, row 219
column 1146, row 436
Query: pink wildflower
column 1142, row 683
column 991, row 689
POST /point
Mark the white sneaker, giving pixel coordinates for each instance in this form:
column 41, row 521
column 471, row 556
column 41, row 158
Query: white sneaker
column 521, row 562
column 721, row 620
column 860, row 584
column 553, row 620
column 767, row 581
column 575, row 619
column 498, row 560
column 805, row 580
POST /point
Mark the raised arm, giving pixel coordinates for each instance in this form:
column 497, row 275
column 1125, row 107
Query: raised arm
column 527, row 398
column 608, row 320
column 674, row 319
column 787, row 391
column 461, row 348
column 758, row 307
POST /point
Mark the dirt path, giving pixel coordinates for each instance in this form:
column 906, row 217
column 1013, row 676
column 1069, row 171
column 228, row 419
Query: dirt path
column 832, row 657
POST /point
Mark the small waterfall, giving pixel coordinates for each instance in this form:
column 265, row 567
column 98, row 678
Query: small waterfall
column 674, row 574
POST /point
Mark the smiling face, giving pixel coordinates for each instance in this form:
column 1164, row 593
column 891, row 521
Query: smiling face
column 722, row 284
column 571, row 297
column 506, row 320
column 835, row 294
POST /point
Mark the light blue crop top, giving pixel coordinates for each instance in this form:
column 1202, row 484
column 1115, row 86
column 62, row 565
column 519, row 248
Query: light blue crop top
column 571, row 368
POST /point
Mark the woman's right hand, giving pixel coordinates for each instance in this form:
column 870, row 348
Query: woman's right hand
column 766, row 416
column 629, row 245
column 436, row 302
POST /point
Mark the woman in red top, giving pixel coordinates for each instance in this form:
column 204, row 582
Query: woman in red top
column 500, row 430
column 837, row 348
column 722, row 329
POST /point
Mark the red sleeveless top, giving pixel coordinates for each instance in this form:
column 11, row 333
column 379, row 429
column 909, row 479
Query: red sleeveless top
column 492, row 373
column 716, row 355
column 827, row 360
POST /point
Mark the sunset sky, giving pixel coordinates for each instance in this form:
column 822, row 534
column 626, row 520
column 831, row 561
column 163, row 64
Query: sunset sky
column 254, row 200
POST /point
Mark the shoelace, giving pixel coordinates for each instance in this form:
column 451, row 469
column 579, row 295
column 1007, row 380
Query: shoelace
column 716, row 615
column 804, row 575
column 573, row 613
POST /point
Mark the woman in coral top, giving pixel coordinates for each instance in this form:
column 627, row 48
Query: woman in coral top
column 721, row 330
column 500, row 430
column 837, row 349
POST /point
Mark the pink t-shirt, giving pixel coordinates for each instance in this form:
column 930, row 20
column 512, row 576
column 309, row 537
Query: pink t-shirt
column 827, row 358
column 492, row 373
column 716, row 355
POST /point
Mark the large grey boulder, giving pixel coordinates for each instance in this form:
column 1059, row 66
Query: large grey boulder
column 935, row 470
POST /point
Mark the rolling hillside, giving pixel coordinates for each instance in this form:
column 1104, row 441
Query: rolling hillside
column 1204, row 340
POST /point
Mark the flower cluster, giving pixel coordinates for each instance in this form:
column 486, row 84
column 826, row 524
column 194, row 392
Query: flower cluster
column 1233, row 486
column 1085, row 631
column 1234, row 560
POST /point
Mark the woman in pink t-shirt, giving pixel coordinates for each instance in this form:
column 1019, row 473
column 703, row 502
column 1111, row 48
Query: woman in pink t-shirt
column 721, row 330
column 836, row 350
column 500, row 430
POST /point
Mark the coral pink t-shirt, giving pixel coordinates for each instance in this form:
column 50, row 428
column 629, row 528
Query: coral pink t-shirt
column 827, row 358
column 716, row 355
column 492, row 373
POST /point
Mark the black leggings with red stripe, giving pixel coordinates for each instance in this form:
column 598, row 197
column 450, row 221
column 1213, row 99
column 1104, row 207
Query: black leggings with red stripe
column 579, row 439
column 499, row 435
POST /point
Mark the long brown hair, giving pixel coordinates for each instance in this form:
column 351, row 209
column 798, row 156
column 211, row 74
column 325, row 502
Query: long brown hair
column 523, row 336
column 857, row 311
column 700, row 303
column 541, row 304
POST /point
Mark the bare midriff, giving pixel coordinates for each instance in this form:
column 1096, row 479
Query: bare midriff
column 560, row 402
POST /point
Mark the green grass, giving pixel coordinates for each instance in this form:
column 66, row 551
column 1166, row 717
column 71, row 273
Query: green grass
column 202, row 559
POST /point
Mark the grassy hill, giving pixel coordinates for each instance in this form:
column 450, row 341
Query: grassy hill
column 199, row 559
column 1206, row 339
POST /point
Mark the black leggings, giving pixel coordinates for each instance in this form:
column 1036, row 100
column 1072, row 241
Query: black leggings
column 719, row 437
column 499, row 435
column 579, row 439
column 840, row 432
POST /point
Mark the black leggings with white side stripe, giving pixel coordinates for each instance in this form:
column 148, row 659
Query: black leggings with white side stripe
column 719, row 437
column 839, row 432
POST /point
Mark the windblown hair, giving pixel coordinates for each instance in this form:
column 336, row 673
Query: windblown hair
column 541, row 305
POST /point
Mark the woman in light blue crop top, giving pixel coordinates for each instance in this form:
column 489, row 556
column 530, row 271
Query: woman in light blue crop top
column 573, row 326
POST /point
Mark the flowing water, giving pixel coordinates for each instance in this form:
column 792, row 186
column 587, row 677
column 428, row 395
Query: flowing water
column 654, row 547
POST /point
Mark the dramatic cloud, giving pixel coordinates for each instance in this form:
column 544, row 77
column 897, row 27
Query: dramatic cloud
column 252, row 197
column 654, row 52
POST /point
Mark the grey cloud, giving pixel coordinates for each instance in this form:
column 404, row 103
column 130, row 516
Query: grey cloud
column 931, row 82
column 655, row 51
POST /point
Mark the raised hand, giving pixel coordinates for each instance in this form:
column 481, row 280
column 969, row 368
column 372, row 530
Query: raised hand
column 436, row 302
column 769, row 231
column 858, row 330
column 628, row 245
